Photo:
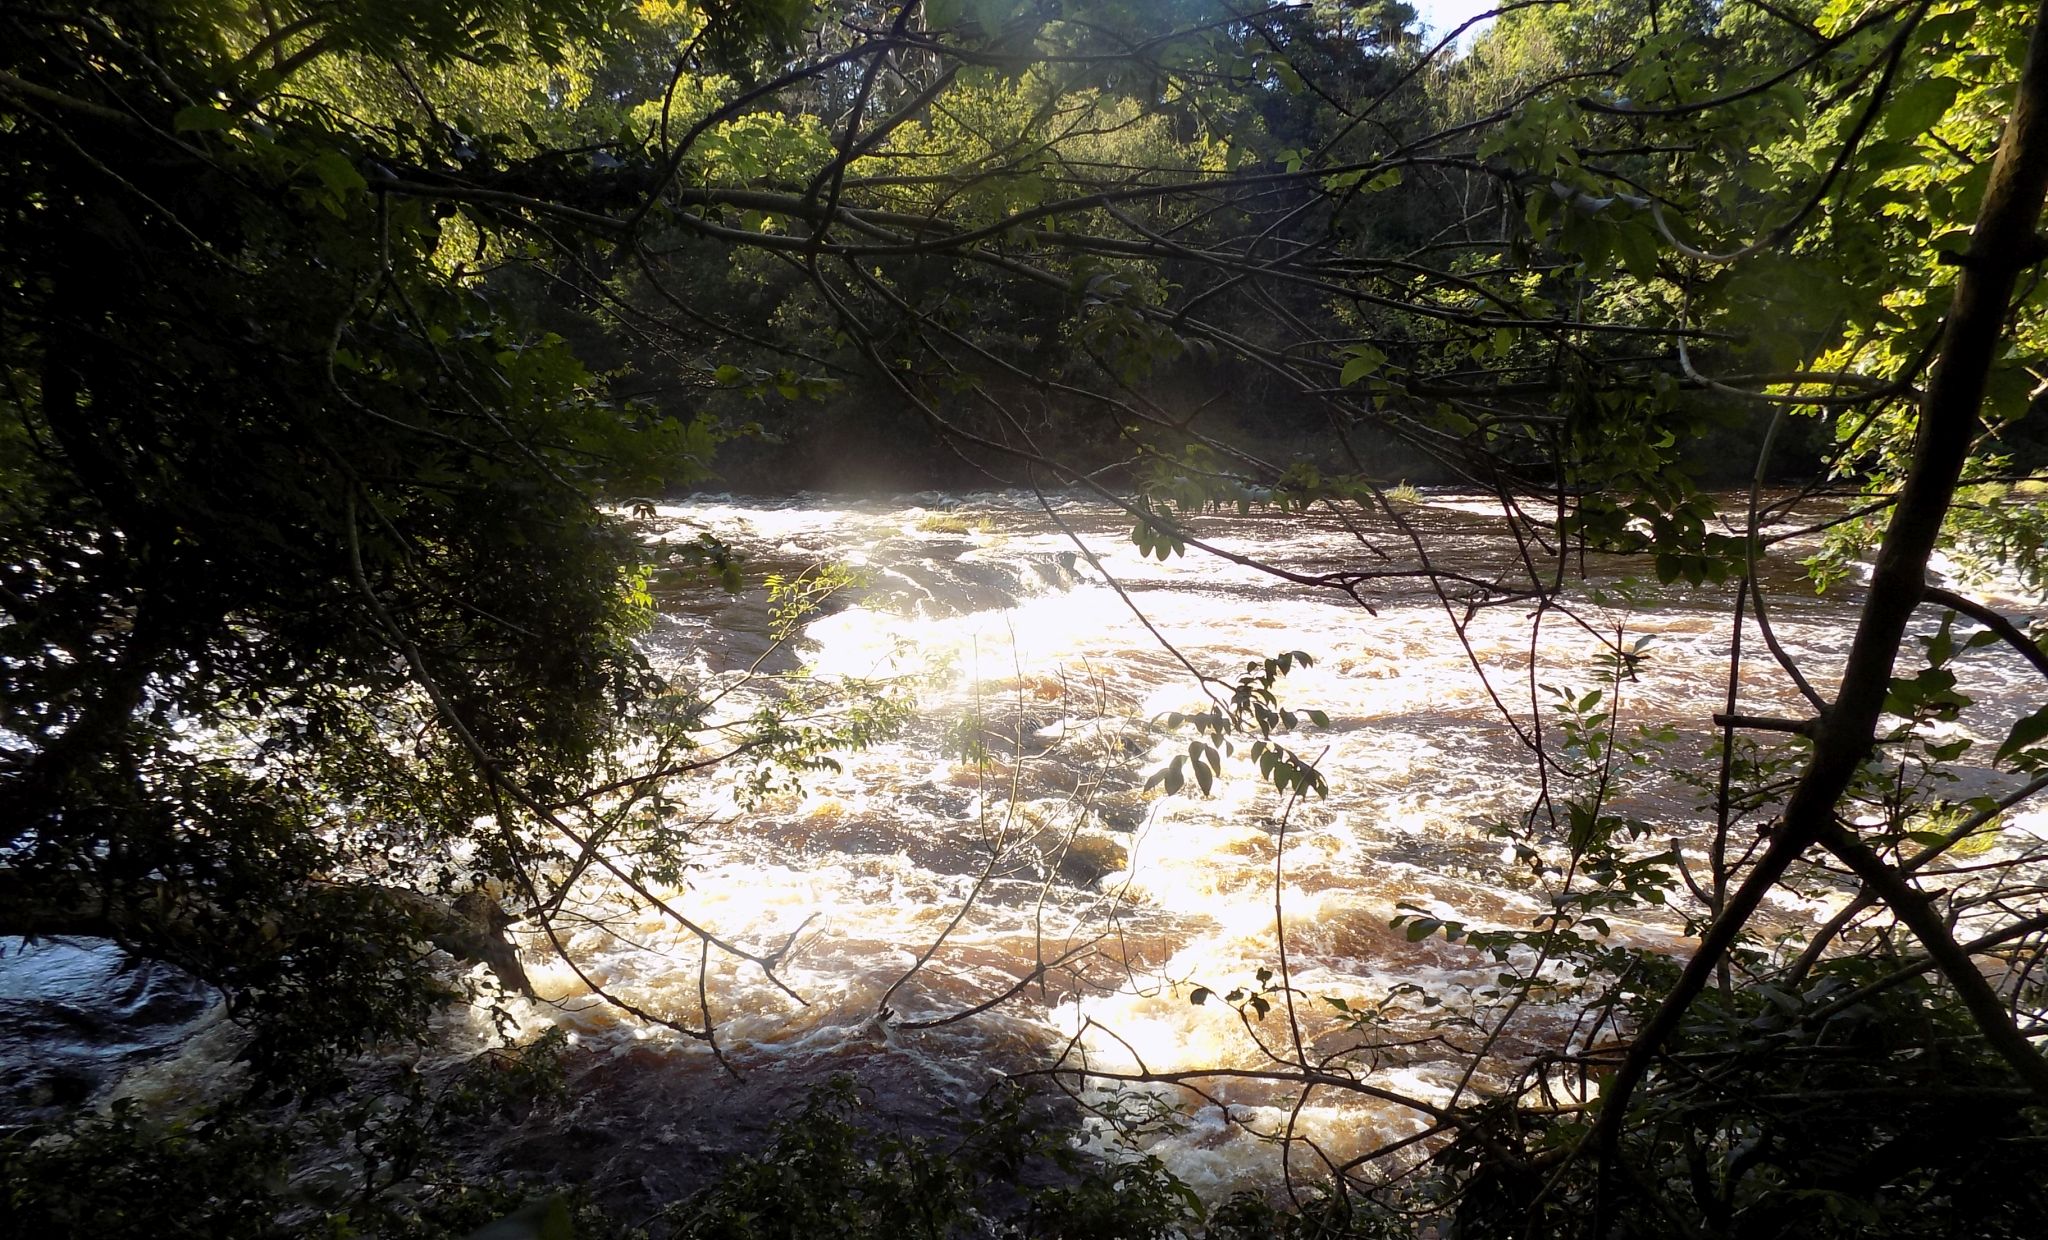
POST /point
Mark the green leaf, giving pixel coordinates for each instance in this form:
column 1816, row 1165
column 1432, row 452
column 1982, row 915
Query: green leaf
column 1637, row 249
column 1947, row 27
column 202, row 117
column 1364, row 361
column 1917, row 108
column 338, row 174
column 1950, row 751
column 1942, row 646
column 1453, row 421
column 2024, row 733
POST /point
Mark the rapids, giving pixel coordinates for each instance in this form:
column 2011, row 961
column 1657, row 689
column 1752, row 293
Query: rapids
column 1038, row 867
column 995, row 889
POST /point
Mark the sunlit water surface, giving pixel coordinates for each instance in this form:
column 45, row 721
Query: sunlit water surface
column 1105, row 907
column 1009, row 826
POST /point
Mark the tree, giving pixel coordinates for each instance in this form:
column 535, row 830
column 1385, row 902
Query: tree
column 286, row 466
column 283, row 487
column 1535, row 352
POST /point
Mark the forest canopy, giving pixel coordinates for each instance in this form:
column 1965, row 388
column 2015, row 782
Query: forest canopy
column 346, row 341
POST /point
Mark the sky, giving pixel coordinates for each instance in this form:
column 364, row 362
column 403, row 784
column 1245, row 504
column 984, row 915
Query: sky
column 1443, row 16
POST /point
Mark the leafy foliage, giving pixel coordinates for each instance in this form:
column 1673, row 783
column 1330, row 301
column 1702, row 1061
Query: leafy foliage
column 1015, row 1173
column 371, row 1161
column 332, row 334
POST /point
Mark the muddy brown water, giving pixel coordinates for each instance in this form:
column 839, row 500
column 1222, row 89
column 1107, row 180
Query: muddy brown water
column 1102, row 906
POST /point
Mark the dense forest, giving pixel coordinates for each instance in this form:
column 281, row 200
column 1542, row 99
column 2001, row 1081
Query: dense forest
column 353, row 350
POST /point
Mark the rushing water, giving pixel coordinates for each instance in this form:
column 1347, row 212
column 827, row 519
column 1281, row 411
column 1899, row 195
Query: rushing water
column 1042, row 869
column 1007, row 841
column 74, row 1014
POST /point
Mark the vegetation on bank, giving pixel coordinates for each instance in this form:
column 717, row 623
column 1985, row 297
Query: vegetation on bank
column 338, row 334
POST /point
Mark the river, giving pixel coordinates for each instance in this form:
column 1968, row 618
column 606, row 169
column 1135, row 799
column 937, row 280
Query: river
column 1066, row 915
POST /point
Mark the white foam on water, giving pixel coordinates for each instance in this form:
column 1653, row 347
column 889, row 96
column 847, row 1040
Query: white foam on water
column 875, row 862
column 1114, row 904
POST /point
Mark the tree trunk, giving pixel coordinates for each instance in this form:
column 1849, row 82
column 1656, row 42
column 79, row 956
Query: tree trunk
column 2004, row 245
